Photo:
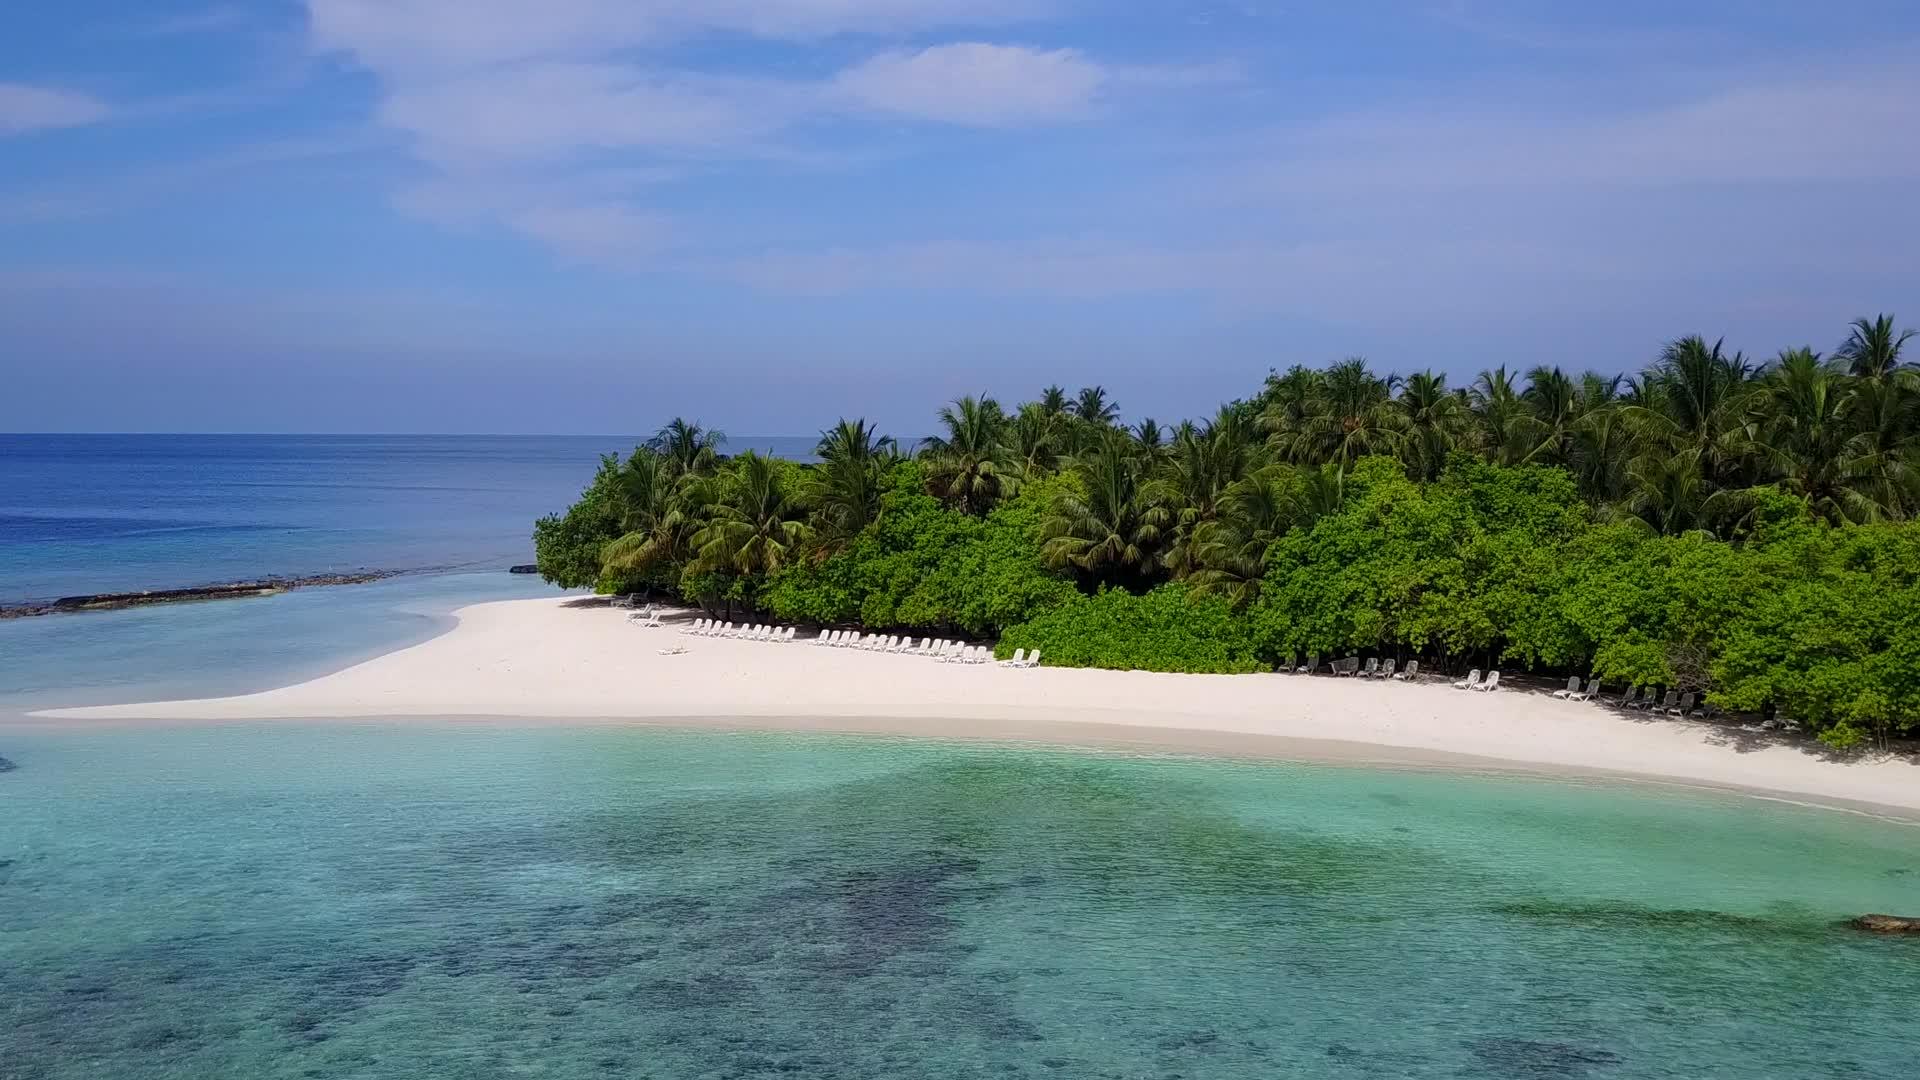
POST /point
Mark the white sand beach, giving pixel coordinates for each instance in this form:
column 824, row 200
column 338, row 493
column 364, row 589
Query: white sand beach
column 570, row 660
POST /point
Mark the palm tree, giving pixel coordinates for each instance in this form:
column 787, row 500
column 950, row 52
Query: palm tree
column 1092, row 407
column 1704, row 393
column 1201, row 466
column 968, row 467
column 1034, row 439
column 757, row 526
column 1348, row 413
column 652, row 521
column 848, row 482
column 1053, row 401
column 1432, row 422
column 1810, row 441
column 1228, row 552
column 1149, row 437
column 689, row 448
column 1872, row 349
column 1667, row 494
column 1115, row 532
column 855, row 440
column 1506, row 429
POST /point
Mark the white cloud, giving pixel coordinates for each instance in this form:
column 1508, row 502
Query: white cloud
column 554, row 109
column 408, row 35
column 975, row 83
column 26, row 109
column 1841, row 127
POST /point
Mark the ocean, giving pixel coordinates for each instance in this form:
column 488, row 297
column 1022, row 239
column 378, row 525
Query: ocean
column 472, row 901
column 108, row 513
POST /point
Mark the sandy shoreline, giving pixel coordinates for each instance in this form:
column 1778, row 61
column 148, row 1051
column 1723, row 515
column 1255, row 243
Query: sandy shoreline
column 562, row 660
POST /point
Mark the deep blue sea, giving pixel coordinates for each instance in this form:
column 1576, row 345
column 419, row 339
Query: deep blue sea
column 107, row 513
column 455, row 900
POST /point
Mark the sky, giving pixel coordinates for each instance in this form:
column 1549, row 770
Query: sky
column 556, row 216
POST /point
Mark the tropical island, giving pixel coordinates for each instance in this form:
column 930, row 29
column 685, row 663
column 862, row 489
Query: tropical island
column 1742, row 530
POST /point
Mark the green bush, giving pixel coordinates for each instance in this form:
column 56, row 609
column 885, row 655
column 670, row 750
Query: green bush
column 1167, row 629
column 566, row 547
column 923, row 566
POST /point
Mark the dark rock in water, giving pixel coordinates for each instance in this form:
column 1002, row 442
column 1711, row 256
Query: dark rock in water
column 1530, row 1058
column 1887, row 924
column 228, row 591
column 524, row 568
column 7, row 766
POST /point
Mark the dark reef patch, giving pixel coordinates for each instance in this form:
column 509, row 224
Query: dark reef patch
column 1536, row 1060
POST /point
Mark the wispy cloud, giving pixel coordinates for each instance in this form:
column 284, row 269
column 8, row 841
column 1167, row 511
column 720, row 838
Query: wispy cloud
column 1757, row 129
column 975, row 83
column 414, row 36
column 521, row 104
column 25, row 109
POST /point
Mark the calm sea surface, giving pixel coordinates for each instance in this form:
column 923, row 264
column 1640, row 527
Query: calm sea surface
column 103, row 513
column 467, row 903
column 463, row 901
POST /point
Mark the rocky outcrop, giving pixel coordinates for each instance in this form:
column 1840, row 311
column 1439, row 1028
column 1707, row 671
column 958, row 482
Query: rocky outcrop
column 227, row 591
column 524, row 568
column 7, row 766
column 1887, row 924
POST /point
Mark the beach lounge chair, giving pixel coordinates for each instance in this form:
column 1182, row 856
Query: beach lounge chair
column 1573, row 687
column 1492, row 683
column 1681, row 707
column 1667, row 703
column 1413, row 669
column 1592, row 691
column 1471, row 682
column 1019, row 657
column 1386, row 669
column 1312, row 665
column 1347, row 666
column 1372, row 668
column 788, row 633
column 1033, row 659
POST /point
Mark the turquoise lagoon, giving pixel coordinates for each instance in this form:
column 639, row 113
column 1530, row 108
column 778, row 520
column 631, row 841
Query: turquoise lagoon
column 479, row 901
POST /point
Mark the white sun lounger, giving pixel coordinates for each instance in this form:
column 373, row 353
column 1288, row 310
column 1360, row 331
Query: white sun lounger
column 1471, row 682
column 1413, row 669
column 1018, row 658
column 1492, row 683
column 1573, row 687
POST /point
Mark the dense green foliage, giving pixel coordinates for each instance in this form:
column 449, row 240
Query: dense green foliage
column 1740, row 530
column 1168, row 628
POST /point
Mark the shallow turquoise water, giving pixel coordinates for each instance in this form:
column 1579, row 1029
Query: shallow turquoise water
column 448, row 901
column 231, row 646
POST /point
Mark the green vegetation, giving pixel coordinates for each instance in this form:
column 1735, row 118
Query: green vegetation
column 1742, row 530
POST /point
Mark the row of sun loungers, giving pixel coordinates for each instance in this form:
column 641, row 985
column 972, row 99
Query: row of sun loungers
column 754, row 632
column 939, row 649
column 1375, row 669
column 942, row 650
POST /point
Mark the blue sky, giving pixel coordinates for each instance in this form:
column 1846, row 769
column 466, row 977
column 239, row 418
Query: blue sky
column 590, row 215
